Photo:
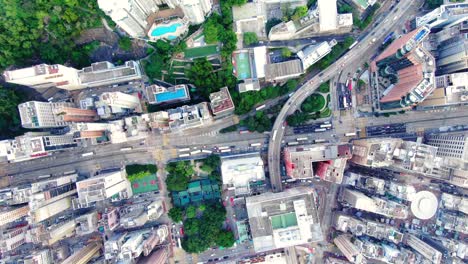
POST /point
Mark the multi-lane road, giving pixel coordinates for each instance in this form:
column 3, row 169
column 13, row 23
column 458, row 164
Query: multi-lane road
column 370, row 43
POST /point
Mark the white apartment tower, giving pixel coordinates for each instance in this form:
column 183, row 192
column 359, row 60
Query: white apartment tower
column 121, row 100
column 45, row 76
column 130, row 15
column 36, row 114
column 195, row 10
column 328, row 14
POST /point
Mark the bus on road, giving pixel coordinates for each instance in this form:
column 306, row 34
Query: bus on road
column 320, row 129
column 223, row 148
column 353, row 45
column 320, row 141
column 184, row 155
column 293, row 143
column 126, row 149
column 352, row 134
column 207, row 151
column 184, row 149
column 260, row 107
column 302, row 139
column 87, row 154
column 255, row 144
column 226, row 150
column 195, row 152
column 274, row 135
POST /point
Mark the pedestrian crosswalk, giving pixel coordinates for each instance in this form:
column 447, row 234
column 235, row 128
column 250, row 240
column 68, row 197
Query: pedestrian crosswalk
column 211, row 133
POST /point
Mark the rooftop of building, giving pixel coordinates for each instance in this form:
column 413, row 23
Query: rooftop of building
column 188, row 116
column 221, row 101
column 283, row 219
column 40, row 69
column 424, row 205
column 159, row 94
column 248, row 85
column 247, row 11
column 239, row 170
column 103, row 71
column 281, row 70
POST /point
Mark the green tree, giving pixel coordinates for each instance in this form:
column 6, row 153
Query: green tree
column 286, row 52
column 192, row 226
column 9, row 116
column 344, row 8
column 211, row 29
column 180, row 47
column 201, row 207
column 176, row 214
column 313, row 103
column 43, row 30
column 250, row 38
column 324, row 87
column 194, row 244
column 125, row 43
column 179, row 176
column 191, row 211
column 299, row 12
column 432, row 4
column 225, row 239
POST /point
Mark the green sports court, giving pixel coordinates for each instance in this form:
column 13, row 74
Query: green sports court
column 242, row 65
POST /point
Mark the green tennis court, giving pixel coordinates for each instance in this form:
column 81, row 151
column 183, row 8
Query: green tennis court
column 242, row 66
column 147, row 184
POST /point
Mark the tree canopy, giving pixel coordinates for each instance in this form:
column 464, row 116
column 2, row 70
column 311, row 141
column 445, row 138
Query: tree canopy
column 43, row 30
column 139, row 171
column 286, row 52
column 179, row 175
column 176, row 214
column 250, row 38
column 299, row 12
column 206, row 231
column 9, row 117
column 125, row 43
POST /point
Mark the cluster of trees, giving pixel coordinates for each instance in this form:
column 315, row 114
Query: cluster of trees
column 179, row 175
column 125, row 43
column 80, row 56
column 43, row 30
column 203, row 226
column 310, row 110
column 205, row 230
column 250, row 38
column 286, row 52
column 324, row 87
column 345, row 8
column 432, row 4
column 211, row 165
column 294, row 14
column 259, row 122
column 9, row 117
column 161, row 57
column 246, row 101
column 334, row 54
column 362, row 24
column 206, row 79
column 139, row 171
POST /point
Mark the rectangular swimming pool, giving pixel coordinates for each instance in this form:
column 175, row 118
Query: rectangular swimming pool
column 167, row 96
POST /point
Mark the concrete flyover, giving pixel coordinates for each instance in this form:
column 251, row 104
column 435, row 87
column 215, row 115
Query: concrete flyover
column 371, row 41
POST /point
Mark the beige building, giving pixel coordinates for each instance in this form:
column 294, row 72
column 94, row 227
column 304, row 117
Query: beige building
column 45, row 76
column 424, row 249
column 85, row 254
column 346, row 247
column 102, row 187
column 8, row 215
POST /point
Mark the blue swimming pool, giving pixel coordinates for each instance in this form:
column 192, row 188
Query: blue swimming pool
column 162, row 30
column 170, row 96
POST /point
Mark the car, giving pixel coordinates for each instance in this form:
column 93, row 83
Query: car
column 225, row 257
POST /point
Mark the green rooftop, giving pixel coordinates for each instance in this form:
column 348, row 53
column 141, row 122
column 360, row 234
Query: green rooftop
column 197, row 192
column 283, row 220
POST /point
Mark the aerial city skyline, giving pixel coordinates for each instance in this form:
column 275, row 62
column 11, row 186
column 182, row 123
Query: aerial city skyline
column 234, row 131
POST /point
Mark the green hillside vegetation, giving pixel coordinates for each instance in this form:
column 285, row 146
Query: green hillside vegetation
column 35, row 31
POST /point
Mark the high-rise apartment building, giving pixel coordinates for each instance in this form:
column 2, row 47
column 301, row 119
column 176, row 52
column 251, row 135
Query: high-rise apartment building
column 67, row 78
column 403, row 74
column 451, row 145
column 443, row 16
column 328, row 14
column 45, row 76
column 132, row 15
column 83, row 255
column 424, row 249
column 36, row 114
column 452, row 49
column 102, row 187
column 9, row 215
